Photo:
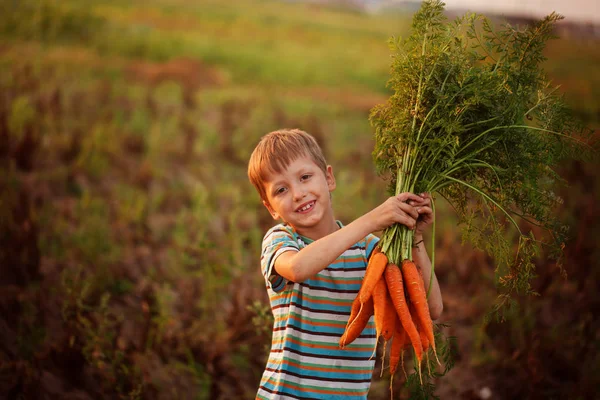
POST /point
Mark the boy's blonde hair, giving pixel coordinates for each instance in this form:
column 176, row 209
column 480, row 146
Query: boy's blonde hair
column 278, row 149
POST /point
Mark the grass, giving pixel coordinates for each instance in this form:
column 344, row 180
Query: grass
column 256, row 41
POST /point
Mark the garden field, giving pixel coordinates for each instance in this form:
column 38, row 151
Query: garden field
column 130, row 235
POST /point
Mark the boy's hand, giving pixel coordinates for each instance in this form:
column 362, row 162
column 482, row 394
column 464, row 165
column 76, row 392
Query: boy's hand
column 423, row 207
column 396, row 209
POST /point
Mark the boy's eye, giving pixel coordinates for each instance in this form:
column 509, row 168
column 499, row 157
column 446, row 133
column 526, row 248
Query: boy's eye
column 305, row 176
column 280, row 190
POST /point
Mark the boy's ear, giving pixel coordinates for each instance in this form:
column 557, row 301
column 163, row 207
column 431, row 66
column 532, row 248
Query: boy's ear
column 330, row 178
column 271, row 211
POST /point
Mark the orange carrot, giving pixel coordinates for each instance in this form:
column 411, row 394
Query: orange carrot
column 376, row 250
column 377, row 264
column 385, row 314
column 422, row 334
column 393, row 277
column 399, row 343
column 390, row 316
column 355, row 326
column 395, row 351
column 416, row 293
column 356, row 303
column 424, row 339
column 353, row 311
column 380, row 293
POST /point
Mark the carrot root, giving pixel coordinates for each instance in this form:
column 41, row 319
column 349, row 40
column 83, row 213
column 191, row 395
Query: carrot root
column 379, row 300
column 394, row 280
column 415, row 287
column 375, row 268
column 355, row 327
column 383, row 359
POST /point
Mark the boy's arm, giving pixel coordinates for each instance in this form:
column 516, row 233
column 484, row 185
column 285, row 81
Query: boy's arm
column 421, row 259
column 301, row 265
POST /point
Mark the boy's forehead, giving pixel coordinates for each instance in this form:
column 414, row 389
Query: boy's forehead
column 296, row 164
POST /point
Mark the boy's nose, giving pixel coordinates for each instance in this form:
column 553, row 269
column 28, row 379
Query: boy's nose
column 299, row 194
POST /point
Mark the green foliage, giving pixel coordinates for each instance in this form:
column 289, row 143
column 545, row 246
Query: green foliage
column 132, row 206
column 93, row 330
column 285, row 47
column 21, row 114
column 162, row 314
column 262, row 320
column 203, row 379
column 480, row 124
column 421, row 386
column 32, row 333
column 48, row 20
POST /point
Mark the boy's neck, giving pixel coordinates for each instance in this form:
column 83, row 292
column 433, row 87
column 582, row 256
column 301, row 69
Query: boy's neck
column 326, row 227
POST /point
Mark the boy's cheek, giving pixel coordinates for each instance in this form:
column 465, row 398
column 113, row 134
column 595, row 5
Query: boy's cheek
column 273, row 213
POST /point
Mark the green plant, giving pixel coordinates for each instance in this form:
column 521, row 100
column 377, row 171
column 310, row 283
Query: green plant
column 48, row 20
column 262, row 320
column 474, row 119
column 480, row 124
column 31, row 333
column 425, row 389
column 93, row 331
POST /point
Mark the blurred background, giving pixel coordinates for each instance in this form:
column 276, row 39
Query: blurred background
column 130, row 235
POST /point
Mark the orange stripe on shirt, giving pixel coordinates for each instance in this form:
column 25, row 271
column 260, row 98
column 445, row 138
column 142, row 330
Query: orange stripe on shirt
column 332, row 324
column 305, row 389
column 333, row 279
column 302, row 298
column 350, row 259
column 332, row 346
column 324, row 369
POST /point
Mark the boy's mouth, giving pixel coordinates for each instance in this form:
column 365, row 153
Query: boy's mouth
column 306, row 207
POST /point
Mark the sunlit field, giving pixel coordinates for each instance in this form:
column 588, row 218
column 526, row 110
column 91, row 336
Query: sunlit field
column 129, row 264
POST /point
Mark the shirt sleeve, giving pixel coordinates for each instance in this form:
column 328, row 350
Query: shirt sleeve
column 371, row 242
column 276, row 242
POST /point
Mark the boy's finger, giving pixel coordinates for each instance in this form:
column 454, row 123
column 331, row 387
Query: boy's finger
column 410, row 210
column 424, row 200
column 419, row 203
column 409, row 222
column 404, row 197
column 424, row 210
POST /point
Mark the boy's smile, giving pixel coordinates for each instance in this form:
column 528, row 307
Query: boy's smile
column 300, row 196
column 306, row 207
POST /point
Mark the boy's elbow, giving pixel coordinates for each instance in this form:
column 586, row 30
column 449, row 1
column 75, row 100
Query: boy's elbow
column 293, row 271
column 297, row 275
column 288, row 266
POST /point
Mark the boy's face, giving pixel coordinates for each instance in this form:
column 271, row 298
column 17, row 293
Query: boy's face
column 300, row 195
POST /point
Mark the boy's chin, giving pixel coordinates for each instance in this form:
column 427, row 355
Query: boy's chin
column 307, row 223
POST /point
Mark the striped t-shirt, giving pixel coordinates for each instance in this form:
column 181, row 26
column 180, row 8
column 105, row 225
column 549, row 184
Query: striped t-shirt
column 305, row 361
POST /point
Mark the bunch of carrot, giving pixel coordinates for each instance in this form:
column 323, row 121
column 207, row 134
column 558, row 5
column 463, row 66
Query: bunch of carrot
column 396, row 296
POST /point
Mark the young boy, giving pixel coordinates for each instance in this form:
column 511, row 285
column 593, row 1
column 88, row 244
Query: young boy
column 313, row 266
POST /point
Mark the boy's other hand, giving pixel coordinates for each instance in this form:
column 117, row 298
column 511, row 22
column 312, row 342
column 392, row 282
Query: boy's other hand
column 423, row 207
column 396, row 209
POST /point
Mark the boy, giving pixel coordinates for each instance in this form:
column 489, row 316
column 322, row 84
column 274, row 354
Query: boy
column 313, row 267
